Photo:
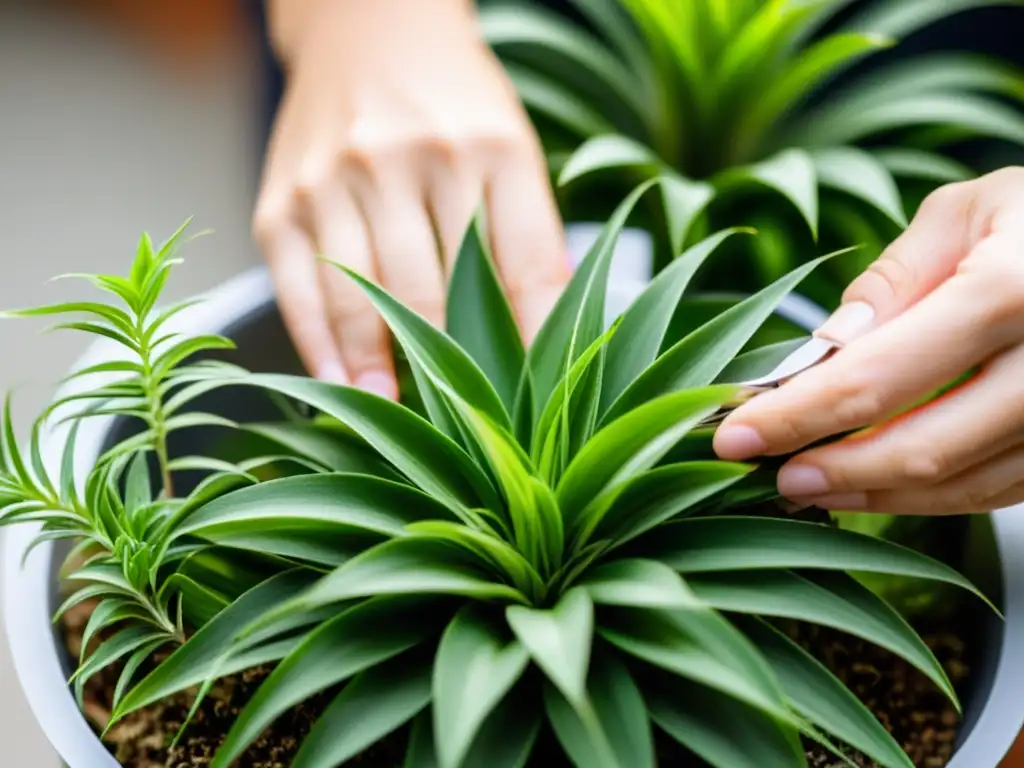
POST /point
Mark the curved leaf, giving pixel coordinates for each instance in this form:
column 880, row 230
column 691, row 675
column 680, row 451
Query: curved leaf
column 721, row 729
column 609, row 151
column 790, row 173
column 409, row 566
column 639, row 583
column 977, row 115
column 200, row 657
column 424, row 455
column 861, row 175
column 832, row 600
column 559, row 640
column 480, row 320
column 319, row 517
column 702, row 545
column 658, row 495
column 917, row 163
column 618, row 734
column 336, row 452
column 356, row 640
column 824, row 699
column 557, row 102
column 475, row 668
column 368, row 709
column 642, row 328
column 699, row 357
column 629, row 445
column 684, row 200
column 898, row 18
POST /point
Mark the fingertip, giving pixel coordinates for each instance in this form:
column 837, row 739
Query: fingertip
column 331, row 371
column 736, row 442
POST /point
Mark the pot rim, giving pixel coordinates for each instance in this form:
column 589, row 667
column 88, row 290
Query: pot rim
column 28, row 591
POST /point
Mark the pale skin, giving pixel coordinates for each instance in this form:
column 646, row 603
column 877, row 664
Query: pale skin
column 397, row 123
column 945, row 297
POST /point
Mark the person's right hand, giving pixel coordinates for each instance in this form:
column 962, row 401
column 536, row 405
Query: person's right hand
column 396, row 124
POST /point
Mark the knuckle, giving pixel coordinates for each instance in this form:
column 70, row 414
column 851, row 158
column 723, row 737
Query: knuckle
column 947, row 199
column 886, row 278
column 858, row 405
column 270, row 217
column 923, row 465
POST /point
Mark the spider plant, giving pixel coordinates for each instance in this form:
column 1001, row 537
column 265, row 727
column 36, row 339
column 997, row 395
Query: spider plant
column 548, row 547
column 737, row 102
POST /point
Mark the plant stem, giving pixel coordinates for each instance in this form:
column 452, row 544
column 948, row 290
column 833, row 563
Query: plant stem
column 156, row 412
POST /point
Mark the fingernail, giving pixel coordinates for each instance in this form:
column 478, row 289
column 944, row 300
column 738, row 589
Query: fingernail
column 841, row 502
column 333, row 372
column 847, row 323
column 379, row 383
column 738, row 442
column 802, row 481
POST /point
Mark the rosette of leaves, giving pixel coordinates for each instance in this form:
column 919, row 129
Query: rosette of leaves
column 734, row 100
column 544, row 557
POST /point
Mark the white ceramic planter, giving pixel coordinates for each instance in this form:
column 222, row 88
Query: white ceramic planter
column 994, row 715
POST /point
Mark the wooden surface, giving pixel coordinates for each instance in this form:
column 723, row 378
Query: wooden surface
column 1016, row 757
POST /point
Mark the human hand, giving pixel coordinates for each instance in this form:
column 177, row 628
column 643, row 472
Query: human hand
column 946, row 296
column 397, row 122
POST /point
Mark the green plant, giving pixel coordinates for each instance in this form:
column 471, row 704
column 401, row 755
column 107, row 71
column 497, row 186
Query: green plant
column 724, row 97
column 552, row 544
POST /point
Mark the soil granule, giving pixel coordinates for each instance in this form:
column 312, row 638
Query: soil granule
column 906, row 702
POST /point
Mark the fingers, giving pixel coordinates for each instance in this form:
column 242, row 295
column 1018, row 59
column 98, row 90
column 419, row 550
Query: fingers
column 454, row 192
column 946, row 227
column 990, row 485
column 293, row 267
column 871, row 379
column 360, row 336
column 917, row 450
column 527, row 239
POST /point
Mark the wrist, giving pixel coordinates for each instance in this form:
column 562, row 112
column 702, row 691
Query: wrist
column 290, row 21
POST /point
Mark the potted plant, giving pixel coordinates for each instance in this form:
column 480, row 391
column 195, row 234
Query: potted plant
column 539, row 561
column 738, row 103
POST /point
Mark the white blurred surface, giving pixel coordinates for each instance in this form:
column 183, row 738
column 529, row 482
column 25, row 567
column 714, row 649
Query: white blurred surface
column 97, row 143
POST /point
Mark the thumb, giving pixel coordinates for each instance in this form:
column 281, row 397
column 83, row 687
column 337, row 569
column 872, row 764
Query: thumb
column 914, row 264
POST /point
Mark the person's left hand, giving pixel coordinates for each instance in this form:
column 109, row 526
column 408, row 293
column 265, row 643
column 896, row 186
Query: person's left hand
column 947, row 296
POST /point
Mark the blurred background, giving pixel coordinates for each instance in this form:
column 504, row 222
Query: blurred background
column 115, row 116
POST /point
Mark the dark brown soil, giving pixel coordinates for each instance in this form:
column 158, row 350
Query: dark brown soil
column 905, row 701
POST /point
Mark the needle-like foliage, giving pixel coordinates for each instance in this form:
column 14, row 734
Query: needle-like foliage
column 548, row 544
column 728, row 97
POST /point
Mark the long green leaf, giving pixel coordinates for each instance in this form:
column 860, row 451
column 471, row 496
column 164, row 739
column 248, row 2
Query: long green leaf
column 356, row 640
column 698, row 358
column 200, row 657
column 698, row 645
column 658, row 495
column 332, row 449
column 441, row 358
column 552, row 99
column 577, row 319
column 722, row 730
column 684, row 200
column 917, row 163
column 790, row 173
column 559, row 640
column 628, row 446
column 325, row 517
column 373, row 705
column 409, row 566
column 976, row 115
column 480, row 320
column 642, row 329
column 639, row 583
column 833, row 600
column 703, row 545
column 898, row 18
column 476, row 666
column 602, row 153
column 619, row 732
column 825, row 700
column 566, row 43
column 859, row 174
column 424, row 455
